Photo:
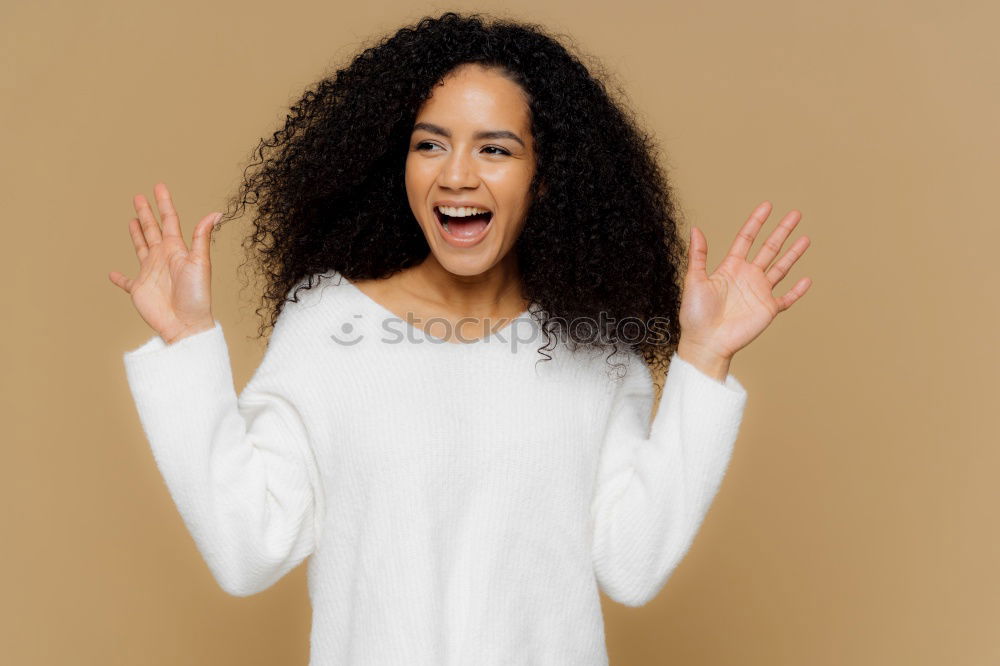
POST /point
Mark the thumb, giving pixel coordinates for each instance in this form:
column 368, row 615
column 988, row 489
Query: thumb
column 202, row 234
column 697, row 254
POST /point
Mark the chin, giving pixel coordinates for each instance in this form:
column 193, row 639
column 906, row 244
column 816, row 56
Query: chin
column 464, row 266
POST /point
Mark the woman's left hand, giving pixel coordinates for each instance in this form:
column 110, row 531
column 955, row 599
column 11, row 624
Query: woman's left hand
column 723, row 312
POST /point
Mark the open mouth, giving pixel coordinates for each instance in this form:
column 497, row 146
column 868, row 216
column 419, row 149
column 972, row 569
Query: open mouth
column 465, row 226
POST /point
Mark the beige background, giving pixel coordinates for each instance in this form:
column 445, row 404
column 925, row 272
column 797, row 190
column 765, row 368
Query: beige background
column 857, row 523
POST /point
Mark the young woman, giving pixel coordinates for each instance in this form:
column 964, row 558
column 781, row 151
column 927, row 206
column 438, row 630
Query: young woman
column 461, row 500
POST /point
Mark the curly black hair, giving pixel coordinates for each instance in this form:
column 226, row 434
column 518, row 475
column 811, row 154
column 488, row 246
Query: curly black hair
column 600, row 236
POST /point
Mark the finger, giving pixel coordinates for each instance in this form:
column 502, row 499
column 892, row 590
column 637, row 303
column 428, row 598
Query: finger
column 168, row 216
column 776, row 273
column 200, row 244
column 748, row 232
column 121, row 281
column 150, row 229
column 697, row 253
column 774, row 242
column 138, row 240
column 794, row 294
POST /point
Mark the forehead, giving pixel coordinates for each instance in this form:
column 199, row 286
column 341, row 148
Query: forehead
column 472, row 95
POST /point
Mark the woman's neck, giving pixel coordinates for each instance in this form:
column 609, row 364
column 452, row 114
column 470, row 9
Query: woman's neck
column 496, row 292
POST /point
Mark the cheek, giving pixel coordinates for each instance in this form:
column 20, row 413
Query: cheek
column 417, row 175
column 509, row 184
column 415, row 182
column 408, row 173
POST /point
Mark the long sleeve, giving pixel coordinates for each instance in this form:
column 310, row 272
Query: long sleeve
column 656, row 481
column 240, row 469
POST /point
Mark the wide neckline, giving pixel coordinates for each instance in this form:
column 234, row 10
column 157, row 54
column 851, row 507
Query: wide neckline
column 491, row 337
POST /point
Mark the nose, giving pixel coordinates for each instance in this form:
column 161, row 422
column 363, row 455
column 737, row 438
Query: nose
column 458, row 171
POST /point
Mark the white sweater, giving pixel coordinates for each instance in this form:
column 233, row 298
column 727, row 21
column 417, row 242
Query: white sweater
column 461, row 503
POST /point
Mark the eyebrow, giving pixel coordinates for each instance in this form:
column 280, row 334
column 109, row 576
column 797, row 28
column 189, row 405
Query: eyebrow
column 485, row 134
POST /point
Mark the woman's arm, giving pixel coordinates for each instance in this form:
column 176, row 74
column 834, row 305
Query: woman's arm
column 239, row 468
column 656, row 482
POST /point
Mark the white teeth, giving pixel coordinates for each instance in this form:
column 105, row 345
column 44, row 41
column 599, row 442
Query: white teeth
column 463, row 211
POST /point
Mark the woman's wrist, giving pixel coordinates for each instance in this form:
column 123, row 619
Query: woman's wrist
column 189, row 331
column 706, row 360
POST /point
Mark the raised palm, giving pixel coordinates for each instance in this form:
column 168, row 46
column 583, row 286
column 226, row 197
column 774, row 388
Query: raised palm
column 172, row 291
column 723, row 312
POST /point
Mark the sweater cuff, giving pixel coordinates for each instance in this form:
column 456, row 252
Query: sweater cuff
column 710, row 411
column 157, row 343
column 703, row 382
column 159, row 369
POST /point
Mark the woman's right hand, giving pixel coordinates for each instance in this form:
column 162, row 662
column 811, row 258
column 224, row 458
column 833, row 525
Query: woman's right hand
column 173, row 291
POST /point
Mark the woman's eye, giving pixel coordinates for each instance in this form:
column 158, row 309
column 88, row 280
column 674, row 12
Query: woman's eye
column 428, row 144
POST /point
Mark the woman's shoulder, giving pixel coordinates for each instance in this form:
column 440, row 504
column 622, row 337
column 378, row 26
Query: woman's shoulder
column 309, row 302
column 313, row 290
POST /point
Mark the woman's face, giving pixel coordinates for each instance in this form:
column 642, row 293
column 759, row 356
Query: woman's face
column 471, row 146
